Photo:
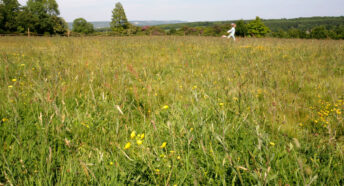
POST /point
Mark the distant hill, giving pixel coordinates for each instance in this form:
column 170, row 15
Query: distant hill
column 303, row 23
column 106, row 24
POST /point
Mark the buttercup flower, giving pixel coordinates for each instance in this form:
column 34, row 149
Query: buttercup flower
column 127, row 146
column 132, row 135
column 163, row 145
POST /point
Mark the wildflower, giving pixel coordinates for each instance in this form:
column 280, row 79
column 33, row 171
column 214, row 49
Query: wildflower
column 194, row 87
column 127, row 146
column 221, row 104
column 300, row 124
column 272, row 143
column 165, row 107
column 22, row 65
column 178, row 157
column 132, row 135
column 172, row 151
column 163, row 145
column 111, row 163
column 10, row 86
column 191, row 129
column 235, row 99
column 4, row 120
column 157, row 171
column 142, row 136
column 139, row 142
column 85, row 125
column 162, row 156
column 14, row 80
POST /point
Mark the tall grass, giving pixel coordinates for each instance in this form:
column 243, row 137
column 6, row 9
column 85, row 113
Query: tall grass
column 258, row 111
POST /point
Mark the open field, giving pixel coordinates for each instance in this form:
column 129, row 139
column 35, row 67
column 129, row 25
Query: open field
column 171, row 111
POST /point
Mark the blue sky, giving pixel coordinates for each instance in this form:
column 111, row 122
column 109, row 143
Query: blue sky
column 199, row 10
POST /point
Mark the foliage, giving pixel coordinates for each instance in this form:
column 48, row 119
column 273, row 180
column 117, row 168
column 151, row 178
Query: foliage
column 204, row 111
column 80, row 25
column 274, row 24
column 40, row 16
column 284, row 28
column 119, row 20
column 8, row 13
column 257, row 28
column 319, row 32
column 241, row 28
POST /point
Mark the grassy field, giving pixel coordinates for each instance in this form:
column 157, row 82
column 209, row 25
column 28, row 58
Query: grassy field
column 171, row 111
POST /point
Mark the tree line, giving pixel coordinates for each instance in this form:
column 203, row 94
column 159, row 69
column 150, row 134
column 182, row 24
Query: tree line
column 38, row 16
column 42, row 17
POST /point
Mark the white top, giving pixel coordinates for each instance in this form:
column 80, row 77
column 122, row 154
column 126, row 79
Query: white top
column 231, row 31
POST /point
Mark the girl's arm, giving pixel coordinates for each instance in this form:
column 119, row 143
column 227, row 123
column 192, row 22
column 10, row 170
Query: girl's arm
column 230, row 31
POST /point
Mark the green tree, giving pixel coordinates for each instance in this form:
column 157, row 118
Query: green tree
column 119, row 20
column 41, row 16
column 25, row 20
column 319, row 32
column 294, row 33
column 172, row 31
column 9, row 10
column 80, row 25
column 241, row 29
column 339, row 30
column 280, row 34
column 60, row 26
column 257, row 28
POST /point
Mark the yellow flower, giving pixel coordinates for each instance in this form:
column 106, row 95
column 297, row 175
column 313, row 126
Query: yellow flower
column 139, row 142
column 127, row 146
column 221, row 104
column 172, row 151
column 178, row 157
column 85, row 125
column 132, row 135
column 142, row 136
column 10, row 86
column 194, row 87
column 301, row 124
column 165, row 107
column 4, row 120
column 157, row 170
column 22, row 65
column 111, row 163
column 14, row 80
column 191, row 129
column 163, row 145
column 272, row 143
column 235, row 99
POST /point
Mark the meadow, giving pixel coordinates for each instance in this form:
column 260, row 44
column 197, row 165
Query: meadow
column 171, row 111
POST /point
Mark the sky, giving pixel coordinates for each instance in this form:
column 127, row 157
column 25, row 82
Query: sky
column 199, row 10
